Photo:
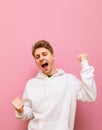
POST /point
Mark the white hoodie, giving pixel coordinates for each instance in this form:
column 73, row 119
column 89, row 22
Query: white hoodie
column 50, row 103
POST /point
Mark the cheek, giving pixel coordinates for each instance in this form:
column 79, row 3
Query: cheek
column 52, row 60
column 36, row 62
column 51, row 57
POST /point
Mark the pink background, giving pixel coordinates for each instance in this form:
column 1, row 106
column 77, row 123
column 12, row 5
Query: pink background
column 72, row 26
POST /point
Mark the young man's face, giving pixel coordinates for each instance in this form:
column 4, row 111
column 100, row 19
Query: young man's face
column 45, row 60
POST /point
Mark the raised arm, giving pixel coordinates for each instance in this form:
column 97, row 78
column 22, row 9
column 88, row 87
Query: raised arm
column 87, row 90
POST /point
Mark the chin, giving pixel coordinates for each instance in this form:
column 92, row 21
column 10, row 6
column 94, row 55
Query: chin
column 46, row 73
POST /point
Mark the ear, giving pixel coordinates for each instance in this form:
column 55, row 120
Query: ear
column 53, row 56
column 35, row 62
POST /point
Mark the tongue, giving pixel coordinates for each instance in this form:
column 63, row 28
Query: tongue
column 45, row 67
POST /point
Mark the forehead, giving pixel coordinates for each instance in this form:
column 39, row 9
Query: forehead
column 41, row 50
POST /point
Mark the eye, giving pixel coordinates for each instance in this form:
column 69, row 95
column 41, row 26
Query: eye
column 45, row 54
column 37, row 57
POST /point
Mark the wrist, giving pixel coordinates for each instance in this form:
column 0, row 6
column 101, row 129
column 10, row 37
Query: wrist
column 20, row 110
column 84, row 64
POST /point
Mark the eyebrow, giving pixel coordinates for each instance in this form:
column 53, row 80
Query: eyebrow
column 42, row 53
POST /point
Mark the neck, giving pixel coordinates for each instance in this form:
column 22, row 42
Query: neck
column 49, row 75
column 52, row 73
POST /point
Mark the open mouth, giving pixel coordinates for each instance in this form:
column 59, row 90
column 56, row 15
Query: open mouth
column 44, row 65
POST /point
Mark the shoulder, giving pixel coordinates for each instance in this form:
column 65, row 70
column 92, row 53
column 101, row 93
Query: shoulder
column 32, row 82
column 71, row 77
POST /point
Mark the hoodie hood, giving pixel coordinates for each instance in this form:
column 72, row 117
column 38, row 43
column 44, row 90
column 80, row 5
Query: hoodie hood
column 41, row 75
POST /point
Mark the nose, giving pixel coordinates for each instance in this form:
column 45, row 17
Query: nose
column 41, row 57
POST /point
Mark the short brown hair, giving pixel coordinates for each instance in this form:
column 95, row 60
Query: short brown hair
column 42, row 43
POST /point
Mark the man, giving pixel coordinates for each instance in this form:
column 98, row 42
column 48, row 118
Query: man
column 49, row 99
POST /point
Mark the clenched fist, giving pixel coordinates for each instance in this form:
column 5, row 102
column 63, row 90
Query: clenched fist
column 18, row 104
column 82, row 57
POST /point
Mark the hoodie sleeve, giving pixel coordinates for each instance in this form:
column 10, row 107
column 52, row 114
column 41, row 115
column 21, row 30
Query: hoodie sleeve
column 28, row 113
column 87, row 89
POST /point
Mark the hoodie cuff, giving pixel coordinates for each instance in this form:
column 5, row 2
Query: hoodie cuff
column 19, row 114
